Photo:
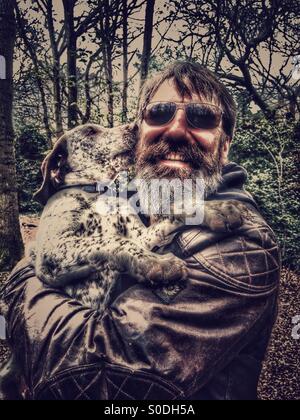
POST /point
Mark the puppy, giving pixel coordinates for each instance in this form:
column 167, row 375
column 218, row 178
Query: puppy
column 85, row 250
column 77, row 246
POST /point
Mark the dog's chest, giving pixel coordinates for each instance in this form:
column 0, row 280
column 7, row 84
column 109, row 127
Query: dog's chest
column 110, row 217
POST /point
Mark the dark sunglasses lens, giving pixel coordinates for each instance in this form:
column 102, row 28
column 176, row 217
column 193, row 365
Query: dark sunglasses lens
column 203, row 116
column 160, row 113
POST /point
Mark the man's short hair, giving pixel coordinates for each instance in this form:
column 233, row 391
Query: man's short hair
column 190, row 77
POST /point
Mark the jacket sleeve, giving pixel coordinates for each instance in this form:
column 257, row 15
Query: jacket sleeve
column 229, row 298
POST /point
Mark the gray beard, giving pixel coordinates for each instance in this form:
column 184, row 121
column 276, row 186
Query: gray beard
column 148, row 173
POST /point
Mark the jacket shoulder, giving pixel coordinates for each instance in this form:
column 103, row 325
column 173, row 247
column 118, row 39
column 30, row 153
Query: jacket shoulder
column 244, row 262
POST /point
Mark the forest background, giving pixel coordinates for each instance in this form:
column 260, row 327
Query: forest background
column 68, row 62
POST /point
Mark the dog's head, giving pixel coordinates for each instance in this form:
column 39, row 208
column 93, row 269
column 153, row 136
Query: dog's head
column 88, row 153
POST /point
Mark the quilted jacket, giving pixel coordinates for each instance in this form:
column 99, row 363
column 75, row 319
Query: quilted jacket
column 205, row 341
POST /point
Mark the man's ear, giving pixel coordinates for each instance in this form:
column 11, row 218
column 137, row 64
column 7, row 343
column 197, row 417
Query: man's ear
column 225, row 150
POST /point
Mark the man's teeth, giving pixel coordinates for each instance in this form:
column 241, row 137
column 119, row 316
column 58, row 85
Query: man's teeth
column 175, row 157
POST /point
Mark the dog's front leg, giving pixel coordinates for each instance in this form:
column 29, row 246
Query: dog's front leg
column 146, row 266
column 68, row 260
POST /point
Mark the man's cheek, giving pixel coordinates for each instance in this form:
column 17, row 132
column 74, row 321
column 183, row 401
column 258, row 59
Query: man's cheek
column 207, row 141
column 149, row 133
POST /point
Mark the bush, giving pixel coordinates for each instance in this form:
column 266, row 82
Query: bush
column 270, row 154
column 31, row 148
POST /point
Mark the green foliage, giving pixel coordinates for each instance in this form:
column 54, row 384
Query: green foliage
column 269, row 152
column 30, row 151
column 4, row 258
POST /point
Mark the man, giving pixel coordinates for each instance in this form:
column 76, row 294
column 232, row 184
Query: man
column 206, row 341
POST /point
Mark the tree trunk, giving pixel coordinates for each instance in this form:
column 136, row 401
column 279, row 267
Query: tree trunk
column 125, row 63
column 107, row 61
column 148, row 32
column 291, row 115
column 56, row 72
column 107, row 57
column 88, row 108
column 11, row 245
column 88, row 98
column 46, row 119
column 71, row 37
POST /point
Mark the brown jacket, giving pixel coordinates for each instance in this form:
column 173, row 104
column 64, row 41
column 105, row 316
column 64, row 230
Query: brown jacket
column 206, row 341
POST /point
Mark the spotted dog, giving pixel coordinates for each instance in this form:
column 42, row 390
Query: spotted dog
column 82, row 250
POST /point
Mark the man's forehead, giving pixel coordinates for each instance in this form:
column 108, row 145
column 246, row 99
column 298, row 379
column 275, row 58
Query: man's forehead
column 168, row 92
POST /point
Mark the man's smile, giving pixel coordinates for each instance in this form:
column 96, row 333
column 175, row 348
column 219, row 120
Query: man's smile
column 175, row 160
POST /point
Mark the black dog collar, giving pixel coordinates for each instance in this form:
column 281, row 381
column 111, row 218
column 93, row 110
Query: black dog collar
column 95, row 188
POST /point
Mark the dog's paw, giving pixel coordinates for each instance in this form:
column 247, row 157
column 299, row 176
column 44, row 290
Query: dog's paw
column 165, row 270
column 224, row 216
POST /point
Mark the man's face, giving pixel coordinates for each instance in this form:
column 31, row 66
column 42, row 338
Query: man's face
column 177, row 150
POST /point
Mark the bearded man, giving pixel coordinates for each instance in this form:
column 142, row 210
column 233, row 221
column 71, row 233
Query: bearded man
column 204, row 341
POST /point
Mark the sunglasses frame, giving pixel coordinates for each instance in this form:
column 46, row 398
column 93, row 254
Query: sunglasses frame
column 182, row 105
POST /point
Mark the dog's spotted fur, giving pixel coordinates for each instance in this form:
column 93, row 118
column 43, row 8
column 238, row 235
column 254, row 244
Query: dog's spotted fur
column 81, row 250
column 84, row 252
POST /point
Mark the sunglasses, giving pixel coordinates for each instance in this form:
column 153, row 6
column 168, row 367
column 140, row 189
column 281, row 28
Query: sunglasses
column 198, row 115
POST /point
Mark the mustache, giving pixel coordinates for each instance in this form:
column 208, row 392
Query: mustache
column 191, row 153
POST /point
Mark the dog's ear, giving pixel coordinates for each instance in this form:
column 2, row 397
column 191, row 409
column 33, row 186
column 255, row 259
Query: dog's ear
column 53, row 169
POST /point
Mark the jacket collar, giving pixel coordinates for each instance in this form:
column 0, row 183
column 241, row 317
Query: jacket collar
column 232, row 187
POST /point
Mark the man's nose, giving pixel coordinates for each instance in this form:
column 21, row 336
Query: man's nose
column 178, row 127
